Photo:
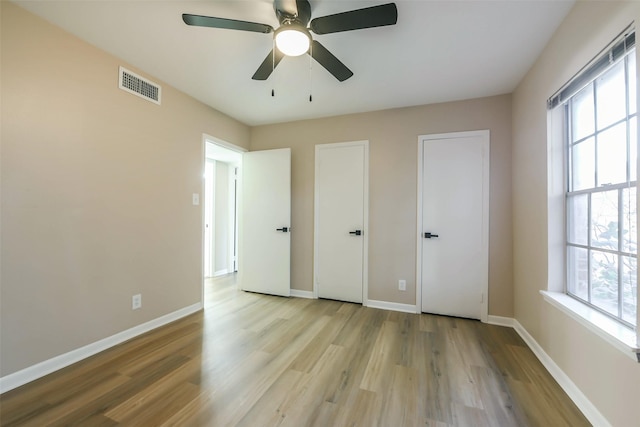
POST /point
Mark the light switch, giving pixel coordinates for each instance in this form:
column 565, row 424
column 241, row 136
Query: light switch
column 195, row 198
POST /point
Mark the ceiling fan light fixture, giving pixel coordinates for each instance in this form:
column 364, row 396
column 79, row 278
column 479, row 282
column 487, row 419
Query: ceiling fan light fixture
column 292, row 40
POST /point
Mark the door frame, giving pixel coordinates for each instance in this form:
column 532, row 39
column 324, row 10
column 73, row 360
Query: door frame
column 203, row 156
column 209, row 197
column 365, row 220
column 486, row 141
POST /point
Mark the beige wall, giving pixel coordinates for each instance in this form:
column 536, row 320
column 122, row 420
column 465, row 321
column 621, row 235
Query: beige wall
column 96, row 194
column 609, row 379
column 393, row 137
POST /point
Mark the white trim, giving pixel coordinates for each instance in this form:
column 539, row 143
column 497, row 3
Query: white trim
column 393, row 306
column 231, row 210
column 316, row 231
column 556, row 231
column 500, row 321
column 365, row 219
column 203, row 200
column 297, row 293
column 39, row 370
column 575, row 394
column 486, row 140
column 419, row 229
column 212, row 215
column 486, row 184
column 223, row 143
column 619, row 336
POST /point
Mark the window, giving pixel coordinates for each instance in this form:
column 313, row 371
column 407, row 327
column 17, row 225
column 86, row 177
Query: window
column 601, row 167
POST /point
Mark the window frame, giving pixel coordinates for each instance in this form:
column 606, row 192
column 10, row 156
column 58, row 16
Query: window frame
column 566, row 98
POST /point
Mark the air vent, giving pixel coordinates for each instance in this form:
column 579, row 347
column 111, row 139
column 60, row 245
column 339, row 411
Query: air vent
column 137, row 85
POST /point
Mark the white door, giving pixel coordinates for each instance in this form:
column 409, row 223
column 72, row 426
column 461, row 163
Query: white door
column 454, row 250
column 341, row 221
column 265, row 222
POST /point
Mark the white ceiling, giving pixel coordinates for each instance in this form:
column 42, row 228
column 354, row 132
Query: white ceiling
column 439, row 51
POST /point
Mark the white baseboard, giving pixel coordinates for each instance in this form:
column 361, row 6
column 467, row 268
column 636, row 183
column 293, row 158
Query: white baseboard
column 582, row 402
column 393, row 306
column 39, row 370
column 297, row 293
column 500, row 321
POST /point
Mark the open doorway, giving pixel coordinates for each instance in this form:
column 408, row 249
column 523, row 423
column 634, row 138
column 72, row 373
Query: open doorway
column 222, row 167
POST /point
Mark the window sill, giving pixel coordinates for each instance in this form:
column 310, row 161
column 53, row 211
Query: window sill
column 621, row 337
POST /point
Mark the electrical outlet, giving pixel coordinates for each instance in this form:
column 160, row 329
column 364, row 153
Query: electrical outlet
column 402, row 285
column 136, row 301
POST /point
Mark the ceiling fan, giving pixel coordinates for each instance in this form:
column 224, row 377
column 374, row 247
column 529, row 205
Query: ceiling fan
column 293, row 37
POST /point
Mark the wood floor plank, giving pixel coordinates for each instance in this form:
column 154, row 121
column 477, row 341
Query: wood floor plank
column 496, row 399
column 68, row 406
column 544, row 387
column 271, row 408
column 435, row 423
column 173, row 345
column 310, row 391
column 162, row 408
column 308, row 356
column 155, row 391
column 470, row 416
column 435, row 387
column 196, row 412
column 257, row 360
column 91, row 411
column 401, row 400
column 384, row 353
column 463, row 389
column 362, row 409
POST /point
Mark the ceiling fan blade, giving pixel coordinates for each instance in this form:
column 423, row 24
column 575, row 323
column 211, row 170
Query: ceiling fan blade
column 376, row 16
column 229, row 24
column 330, row 62
column 268, row 65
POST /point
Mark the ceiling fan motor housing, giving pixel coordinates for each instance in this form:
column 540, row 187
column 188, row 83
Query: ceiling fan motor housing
column 292, row 11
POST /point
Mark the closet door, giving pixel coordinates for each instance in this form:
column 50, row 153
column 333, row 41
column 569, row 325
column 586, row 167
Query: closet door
column 454, row 237
column 341, row 221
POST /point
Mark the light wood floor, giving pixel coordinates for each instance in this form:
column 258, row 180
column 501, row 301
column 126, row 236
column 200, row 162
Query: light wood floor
column 256, row 360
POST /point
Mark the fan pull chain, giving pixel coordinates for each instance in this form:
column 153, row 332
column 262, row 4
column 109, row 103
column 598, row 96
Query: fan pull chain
column 273, row 63
column 310, row 73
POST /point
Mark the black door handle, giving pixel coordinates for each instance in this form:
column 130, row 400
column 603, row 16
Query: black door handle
column 356, row 233
column 429, row 235
column 283, row 229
